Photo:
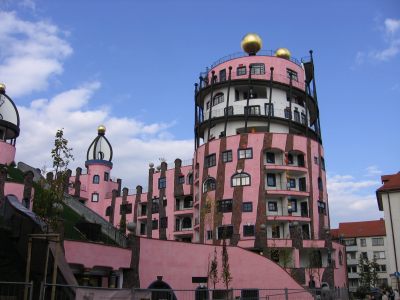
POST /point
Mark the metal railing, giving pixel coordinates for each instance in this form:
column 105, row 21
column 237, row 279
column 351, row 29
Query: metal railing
column 65, row 292
column 16, row 290
column 107, row 228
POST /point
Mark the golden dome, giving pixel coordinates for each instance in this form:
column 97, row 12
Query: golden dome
column 2, row 87
column 101, row 129
column 283, row 53
column 251, row 43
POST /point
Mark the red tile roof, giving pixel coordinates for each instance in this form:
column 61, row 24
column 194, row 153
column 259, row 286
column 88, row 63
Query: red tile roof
column 360, row 229
column 390, row 183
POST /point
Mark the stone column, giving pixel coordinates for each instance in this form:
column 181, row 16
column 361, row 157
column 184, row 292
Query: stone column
column 113, row 200
column 28, row 184
column 77, row 183
column 3, row 178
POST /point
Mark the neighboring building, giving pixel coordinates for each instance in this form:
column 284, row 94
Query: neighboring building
column 388, row 196
column 368, row 239
column 257, row 177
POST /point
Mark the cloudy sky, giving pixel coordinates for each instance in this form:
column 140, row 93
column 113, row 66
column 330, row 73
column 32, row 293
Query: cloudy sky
column 131, row 66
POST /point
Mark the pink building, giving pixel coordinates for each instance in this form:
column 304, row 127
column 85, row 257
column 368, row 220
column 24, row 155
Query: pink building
column 257, row 178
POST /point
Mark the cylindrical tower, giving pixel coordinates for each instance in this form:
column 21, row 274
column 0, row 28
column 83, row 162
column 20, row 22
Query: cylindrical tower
column 259, row 161
column 9, row 127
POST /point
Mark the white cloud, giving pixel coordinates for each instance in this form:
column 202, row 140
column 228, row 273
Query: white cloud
column 135, row 143
column 391, row 37
column 30, row 53
column 352, row 199
column 373, row 171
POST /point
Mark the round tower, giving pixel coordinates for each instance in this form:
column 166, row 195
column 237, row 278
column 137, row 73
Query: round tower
column 9, row 127
column 259, row 162
column 99, row 165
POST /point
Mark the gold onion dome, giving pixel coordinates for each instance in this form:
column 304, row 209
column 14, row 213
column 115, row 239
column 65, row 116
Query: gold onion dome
column 283, row 53
column 251, row 43
column 101, row 129
column 2, row 87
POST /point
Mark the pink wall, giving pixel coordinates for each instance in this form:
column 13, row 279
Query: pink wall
column 7, row 153
column 280, row 65
column 16, row 189
column 340, row 271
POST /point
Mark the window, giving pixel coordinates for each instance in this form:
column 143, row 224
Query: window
column 181, row 179
column 227, row 156
column 164, row 222
column 377, row 241
column 143, row 226
column 293, row 205
column 363, row 242
column 143, row 210
column 125, row 208
column 228, row 111
column 240, row 71
column 225, row 205
column 379, row 254
column 210, row 160
column 209, row 234
column 190, row 179
column 320, row 185
column 288, row 113
column 303, row 119
column 95, row 197
column 315, row 160
column 351, row 255
column 290, row 159
column 240, row 179
column 272, row 206
column 218, row 98
column 222, row 75
column 186, row 223
column 364, row 255
column 269, row 109
column 96, row 179
column 276, row 231
column 340, row 257
column 188, row 202
column 271, row 179
column 292, row 74
column 245, row 153
column 248, row 230
column 162, row 183
column 106, row 176
column 381, row 268
column 154, row 224
column 350, row 242
column 296, row 116
column 322, row 163
column 270, row 157
column 225, row 232
column 253, row 110
column 108, row 211
column 351, row 269
column 292, row 183
column 237, row 95
column 321, row 207
column 155, row 206
column 257, row 69
column 209, row 185
column 300, row 160
column 247, row 206
column 302, row 184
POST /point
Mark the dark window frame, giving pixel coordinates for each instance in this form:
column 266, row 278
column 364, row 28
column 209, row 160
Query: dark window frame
column 271, row 176
column 242, row 177
column 95, row 194
column 241, row 70
column 211, row 187
column 225, row 205
column 227, row 156
column 96, row 179
column 210, row 160
column 247, row 206
column 292, row 74
column 273, row 206
column 245, row 152
column 252, row 110
column 248, row 230
column 257, row 69
column 162, row 183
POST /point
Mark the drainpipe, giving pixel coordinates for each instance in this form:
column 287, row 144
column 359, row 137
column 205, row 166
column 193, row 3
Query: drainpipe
column 394, row 243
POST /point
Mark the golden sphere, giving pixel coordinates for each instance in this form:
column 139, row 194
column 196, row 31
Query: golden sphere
column 101, row 129
column 251, row 43
column 2, row 87
column 283, row 53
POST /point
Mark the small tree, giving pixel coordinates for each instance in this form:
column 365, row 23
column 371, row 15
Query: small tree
column 213, row 273
column 226, row 274
column 368, row 271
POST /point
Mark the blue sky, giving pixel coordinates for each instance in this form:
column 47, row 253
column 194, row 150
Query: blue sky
column 132, row 64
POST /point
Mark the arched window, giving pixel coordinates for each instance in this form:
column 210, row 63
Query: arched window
column 186, row 223
column 108, row 211
column 95, row 197
column 240, row 179
column 100, row 155
column 190, row 179
column 209, row 185
column 218, row 98
column 96, row 179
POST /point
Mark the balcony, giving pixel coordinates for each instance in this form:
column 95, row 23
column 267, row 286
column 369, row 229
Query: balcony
column 184, row 225
column 288, row 217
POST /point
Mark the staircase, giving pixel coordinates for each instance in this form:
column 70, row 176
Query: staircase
column 106, row 228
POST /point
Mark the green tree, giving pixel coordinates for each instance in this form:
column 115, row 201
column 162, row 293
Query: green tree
column 225, row 274
column 213, row 273
column 368, row 272
column 50, row 193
